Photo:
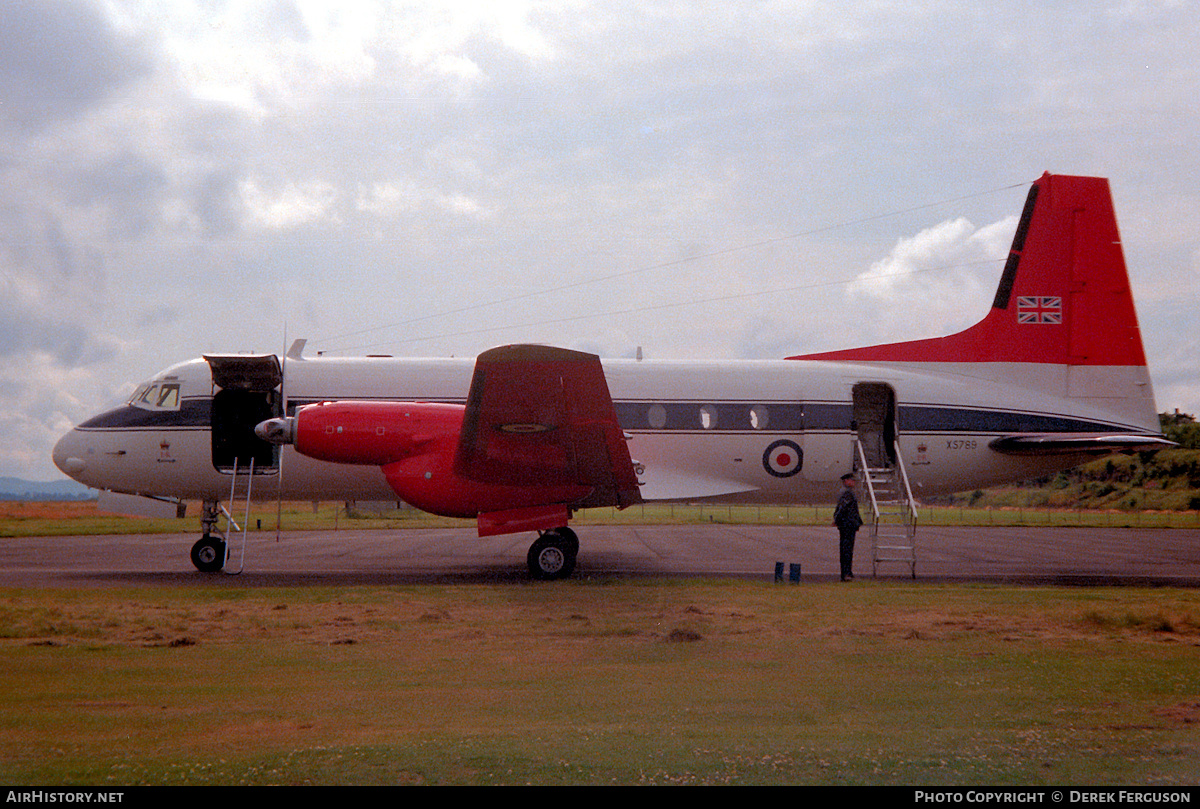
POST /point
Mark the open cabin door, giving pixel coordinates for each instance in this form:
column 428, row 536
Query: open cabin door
column 875, row 422
column 893, row 519
column 247, row 389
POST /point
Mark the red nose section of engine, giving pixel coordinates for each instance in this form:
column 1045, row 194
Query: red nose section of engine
column 373, row 433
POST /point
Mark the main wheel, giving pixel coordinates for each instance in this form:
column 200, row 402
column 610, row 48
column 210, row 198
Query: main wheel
column 570, row 537
column 208, row 554
column 552, row 556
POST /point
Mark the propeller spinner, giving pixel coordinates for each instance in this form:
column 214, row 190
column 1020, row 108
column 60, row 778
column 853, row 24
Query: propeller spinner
column 277, row 431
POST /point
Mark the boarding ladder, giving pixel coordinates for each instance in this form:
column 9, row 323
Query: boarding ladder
column 231, row 526
column 893, row 511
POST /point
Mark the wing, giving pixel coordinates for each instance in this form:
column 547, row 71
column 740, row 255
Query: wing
column 543, row 416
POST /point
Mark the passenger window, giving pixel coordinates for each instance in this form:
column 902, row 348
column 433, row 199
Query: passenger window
column 708, row 417
column 758, row 417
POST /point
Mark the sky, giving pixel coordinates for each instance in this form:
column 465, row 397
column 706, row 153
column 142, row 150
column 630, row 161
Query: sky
column 699, row 179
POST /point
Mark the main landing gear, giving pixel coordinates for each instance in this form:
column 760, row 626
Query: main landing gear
column 210, row 552
column 552, row 555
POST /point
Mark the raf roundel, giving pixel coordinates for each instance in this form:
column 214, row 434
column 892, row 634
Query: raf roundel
column 783, row 458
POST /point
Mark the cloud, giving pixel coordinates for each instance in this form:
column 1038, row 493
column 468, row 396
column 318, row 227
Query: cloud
column 58, row 59
column 42, row 400
column 936, row 282
column 130, row 190
column 293, row 205
column 387, row 199
column 49, row 292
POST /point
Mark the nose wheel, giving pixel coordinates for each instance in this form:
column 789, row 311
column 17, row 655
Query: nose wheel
column 209, row 554
column 552, row 555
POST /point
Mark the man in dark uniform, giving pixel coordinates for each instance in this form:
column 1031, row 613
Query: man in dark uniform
column 848, row 520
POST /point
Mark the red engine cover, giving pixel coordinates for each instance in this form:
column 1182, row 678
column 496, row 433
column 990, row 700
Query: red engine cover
column 429, row 482
column 415, row 443
column 374, row 433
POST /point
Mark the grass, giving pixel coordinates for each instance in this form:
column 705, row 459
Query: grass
column 601, row 681
column 82, row 518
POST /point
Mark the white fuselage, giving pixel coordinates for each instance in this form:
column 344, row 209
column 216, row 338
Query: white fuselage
column 699, row 429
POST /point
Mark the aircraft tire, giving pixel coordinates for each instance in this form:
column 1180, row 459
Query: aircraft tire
column 571, row 538
column 552, row 556
column 208, row 554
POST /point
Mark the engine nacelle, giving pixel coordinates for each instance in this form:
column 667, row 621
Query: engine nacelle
column 429, row 482
column 373, row 433
column 415, row 443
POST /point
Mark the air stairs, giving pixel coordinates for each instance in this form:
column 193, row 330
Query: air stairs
column 893, row 522
column 231, row 526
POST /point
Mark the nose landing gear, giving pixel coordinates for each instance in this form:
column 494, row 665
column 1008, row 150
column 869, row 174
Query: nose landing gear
column 210, row 551
column 209, row 554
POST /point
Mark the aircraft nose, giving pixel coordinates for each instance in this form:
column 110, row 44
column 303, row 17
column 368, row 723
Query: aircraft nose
column 68, row 454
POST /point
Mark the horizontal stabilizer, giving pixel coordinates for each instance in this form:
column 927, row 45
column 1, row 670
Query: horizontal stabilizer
column 1059, row 444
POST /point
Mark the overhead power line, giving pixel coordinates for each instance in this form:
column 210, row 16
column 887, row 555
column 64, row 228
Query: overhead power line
column 640, row 270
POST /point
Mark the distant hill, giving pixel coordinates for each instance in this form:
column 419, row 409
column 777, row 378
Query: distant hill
column 17, row 489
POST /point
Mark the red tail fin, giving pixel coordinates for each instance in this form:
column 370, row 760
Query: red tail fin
column 1064, row 297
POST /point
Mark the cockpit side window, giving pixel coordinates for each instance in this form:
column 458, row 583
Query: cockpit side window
column 156, row 396
column 168, row 397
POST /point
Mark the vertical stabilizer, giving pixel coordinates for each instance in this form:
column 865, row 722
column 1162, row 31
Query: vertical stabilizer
column 1064, row 297
column 1062, row 322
